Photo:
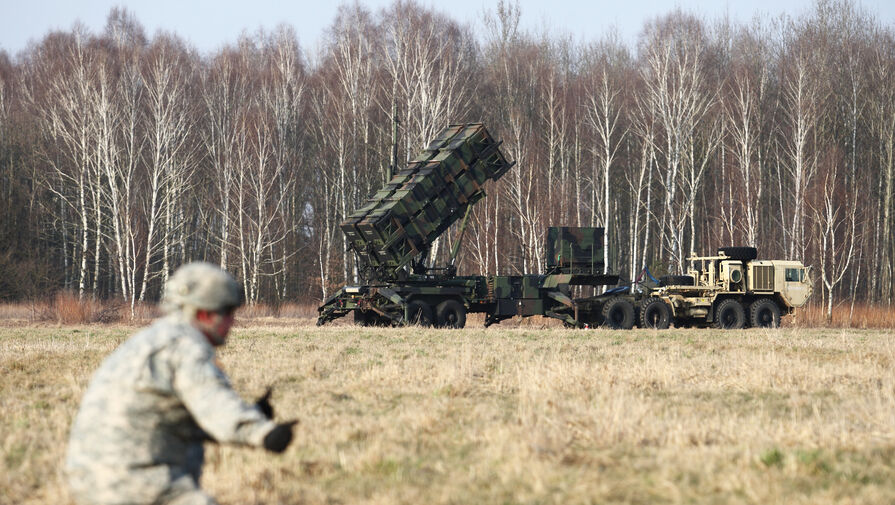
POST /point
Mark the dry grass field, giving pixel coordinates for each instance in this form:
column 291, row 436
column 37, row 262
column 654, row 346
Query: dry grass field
column 526, row 415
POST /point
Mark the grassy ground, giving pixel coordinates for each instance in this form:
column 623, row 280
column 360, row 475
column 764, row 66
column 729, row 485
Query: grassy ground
column 522, row 415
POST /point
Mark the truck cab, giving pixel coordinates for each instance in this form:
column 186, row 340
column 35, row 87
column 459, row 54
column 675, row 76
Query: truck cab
column 787, row 279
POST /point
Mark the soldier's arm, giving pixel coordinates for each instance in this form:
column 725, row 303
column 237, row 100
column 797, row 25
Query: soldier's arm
column 216, row 408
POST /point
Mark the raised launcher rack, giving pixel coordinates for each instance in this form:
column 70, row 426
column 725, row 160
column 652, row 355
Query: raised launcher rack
column 421, row 201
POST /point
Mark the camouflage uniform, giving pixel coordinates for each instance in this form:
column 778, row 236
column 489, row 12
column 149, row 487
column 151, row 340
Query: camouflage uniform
column 138, row 435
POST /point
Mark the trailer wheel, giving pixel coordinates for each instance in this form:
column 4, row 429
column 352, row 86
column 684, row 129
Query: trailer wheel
column 370, row 318
column 450, row 314
column 618, row 314
column 730, row 315
column 655, row 313
column 362, row 318
column 764, row 313
column 419, row 313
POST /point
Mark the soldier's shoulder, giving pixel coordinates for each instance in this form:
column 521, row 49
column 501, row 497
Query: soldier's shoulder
column 165, row 333
column 161, row 332
column 188, row 341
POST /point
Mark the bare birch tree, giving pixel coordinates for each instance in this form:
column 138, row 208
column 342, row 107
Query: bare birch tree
column 171, row 158
column 882, row 122
column 801, row 98
column 604, row 99
column 835, row 227
column 746, row 90
column 352, row 92
column 284, row 97
column 66, row 66
column 642, row 129
column 676, row 89
column 225, row 94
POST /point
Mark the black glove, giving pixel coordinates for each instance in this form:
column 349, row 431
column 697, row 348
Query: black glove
column 280, row 437
column 264, row 405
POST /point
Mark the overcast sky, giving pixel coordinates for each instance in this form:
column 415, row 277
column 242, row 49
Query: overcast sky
column 209, row 24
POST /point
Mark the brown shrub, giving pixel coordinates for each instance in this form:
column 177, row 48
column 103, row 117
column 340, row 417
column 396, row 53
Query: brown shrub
column 68, row 308
column 862, row 315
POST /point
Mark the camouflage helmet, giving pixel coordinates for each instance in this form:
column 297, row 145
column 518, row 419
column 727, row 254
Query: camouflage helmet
column 202, row 286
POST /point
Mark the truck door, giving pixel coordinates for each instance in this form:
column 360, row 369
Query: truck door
column 796, row 287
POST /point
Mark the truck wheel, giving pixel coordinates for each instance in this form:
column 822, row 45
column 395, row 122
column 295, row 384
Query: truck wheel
column 655, row 313
column 450, row 314
column 764, row 313
column 730, row 315
column 618, row 314
column 739, row 253
column 419, row 312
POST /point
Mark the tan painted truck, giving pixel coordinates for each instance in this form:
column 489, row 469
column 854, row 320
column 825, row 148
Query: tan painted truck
column 730, row 290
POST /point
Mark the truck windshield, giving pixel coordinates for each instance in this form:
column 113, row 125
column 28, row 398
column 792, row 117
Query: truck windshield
column 795, row 274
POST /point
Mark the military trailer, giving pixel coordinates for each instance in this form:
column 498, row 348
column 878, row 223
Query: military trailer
column 392, row 234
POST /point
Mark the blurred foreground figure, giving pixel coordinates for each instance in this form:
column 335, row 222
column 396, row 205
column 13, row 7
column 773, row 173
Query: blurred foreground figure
column 138, row 436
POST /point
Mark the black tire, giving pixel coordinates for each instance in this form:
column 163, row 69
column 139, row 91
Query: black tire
column 730, row 315
column 764, row 313
column 370, row 318
column 450, row 314
column 676, row 280
column 618, row 314
column 362, row 318
column 419, row 313
column 739, row 253
column 655, row 313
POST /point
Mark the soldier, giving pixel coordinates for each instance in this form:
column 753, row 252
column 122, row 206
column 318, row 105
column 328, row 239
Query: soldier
column 153, row 402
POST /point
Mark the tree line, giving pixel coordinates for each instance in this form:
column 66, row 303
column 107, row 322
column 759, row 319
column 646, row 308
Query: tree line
column 123, row 155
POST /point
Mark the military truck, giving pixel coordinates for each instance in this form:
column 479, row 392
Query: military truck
column 730, row 290
column 393, row 232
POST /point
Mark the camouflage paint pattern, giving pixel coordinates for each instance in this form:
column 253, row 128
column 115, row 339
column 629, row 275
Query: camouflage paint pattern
column 575, row 250
column 138, row 435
